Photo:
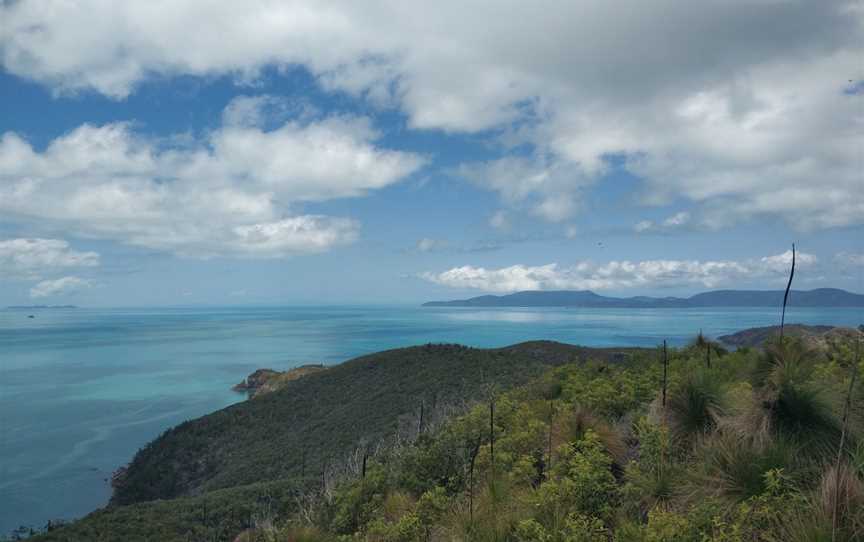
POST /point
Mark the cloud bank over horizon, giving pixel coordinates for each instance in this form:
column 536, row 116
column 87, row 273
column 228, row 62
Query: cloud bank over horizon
column 743, row 108
column 296, row 140
column 619, row 275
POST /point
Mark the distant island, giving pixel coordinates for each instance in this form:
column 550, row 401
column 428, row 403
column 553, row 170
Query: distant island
column 41, row 307
column 822, row 297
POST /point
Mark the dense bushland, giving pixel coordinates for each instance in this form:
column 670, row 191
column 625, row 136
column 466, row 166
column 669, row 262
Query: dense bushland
column 313, row 421
column 748, row 449
column 584, row 446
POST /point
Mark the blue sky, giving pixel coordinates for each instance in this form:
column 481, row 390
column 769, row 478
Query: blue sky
column 259, row 152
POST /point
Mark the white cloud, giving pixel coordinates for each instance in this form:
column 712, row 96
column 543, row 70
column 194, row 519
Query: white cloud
column 672, row 223
column 737, row 106
column 31, row 258
column 61, row 286
column 548, row 187
column 618, row 274
column 500, row 220
column 781, row 263
column 644, row 225
column 849, row 260
column 678, row 219
column 229, row 195
column 430, row 245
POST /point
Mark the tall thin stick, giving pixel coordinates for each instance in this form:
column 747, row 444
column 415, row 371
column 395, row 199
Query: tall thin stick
column 324, row 475
column 492, row 433
column 549, row 443
column 303, row 463
column 471, row 481
column 786, row 295
column 665, row 367
column 420, row 423
column 846, row 408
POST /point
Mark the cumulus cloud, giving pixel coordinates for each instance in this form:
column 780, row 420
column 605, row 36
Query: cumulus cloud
column 550, row 189
column 32, row 258
column 231, row 194
column 672, row 223
column 618, row 274
column 500, row 220
column 741, row 107
column 849, row 260
column 430, row 245
column 61, row 286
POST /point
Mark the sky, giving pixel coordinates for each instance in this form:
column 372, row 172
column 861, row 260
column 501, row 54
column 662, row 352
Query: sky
column 190, row 152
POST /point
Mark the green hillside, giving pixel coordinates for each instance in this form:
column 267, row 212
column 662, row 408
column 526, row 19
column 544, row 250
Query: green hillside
column 753, row 448
column 323, row 416
column 581, row 447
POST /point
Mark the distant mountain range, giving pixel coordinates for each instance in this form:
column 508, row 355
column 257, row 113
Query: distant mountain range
column 822, row 297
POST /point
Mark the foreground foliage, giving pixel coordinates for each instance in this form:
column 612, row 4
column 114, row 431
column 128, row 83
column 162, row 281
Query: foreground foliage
column 745, row 450
column 754, row 447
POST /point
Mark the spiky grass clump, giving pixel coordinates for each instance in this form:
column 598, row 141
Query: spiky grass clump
column 816, row 519
column 694, row 407
column 574, row 425
column 789, row 404
column 734, row 466
column 841, row 493
column 496, row 511
column 783, row 360
column 296, row 534
column 649, row 489
column 801, row 413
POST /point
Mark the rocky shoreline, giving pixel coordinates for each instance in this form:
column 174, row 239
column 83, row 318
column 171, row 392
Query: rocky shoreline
column 264, row 381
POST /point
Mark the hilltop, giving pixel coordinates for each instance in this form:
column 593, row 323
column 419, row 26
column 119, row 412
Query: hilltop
column 546, row 442
column 320, row 417
column 211, row 474
column 822, row 338
column 822, row 297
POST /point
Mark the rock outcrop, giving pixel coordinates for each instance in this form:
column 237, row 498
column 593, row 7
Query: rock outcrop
column 267, row 380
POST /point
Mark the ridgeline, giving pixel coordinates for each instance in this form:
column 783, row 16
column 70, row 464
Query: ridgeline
column 822, row 297
column 539, row 441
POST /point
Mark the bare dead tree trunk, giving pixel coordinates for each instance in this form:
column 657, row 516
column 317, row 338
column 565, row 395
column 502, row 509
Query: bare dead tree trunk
column 549, row 438
column 707, row 350
column 846, row 408
column 786, row 294
column 492, row 433
column 303, row 463
column 471, row 482
column 665, row 371
column 420, row 422
column 324, row 475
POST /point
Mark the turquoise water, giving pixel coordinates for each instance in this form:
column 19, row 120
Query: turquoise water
column 81, row 390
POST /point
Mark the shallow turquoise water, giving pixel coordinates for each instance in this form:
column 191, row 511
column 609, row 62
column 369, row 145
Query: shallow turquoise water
column 81, row 390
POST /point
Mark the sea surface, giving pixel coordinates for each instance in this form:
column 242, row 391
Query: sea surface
column 81, row 390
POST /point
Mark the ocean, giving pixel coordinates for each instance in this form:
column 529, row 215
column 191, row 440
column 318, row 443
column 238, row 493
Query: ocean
column 81, row 390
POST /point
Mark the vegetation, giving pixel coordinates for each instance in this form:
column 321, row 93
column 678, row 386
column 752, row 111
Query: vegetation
column 316, row 421
column 742, row 451
column 753, row 448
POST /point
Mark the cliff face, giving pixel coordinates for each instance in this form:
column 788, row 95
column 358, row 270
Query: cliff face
column 255, row 380
column 267, row 380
